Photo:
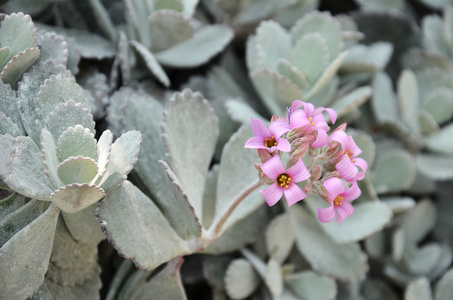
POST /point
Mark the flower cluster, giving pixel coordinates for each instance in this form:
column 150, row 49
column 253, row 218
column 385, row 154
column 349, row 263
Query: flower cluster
column 333, row 166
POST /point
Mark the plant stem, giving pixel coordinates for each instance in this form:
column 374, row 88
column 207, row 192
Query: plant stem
column 217, row 224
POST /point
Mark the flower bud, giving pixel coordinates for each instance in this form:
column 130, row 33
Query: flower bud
column 264, row 155
column 298, row 153
column 316, row 173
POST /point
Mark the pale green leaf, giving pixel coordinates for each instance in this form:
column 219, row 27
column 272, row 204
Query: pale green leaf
column 444, row 288
column 427, row 123
column 209, row 194
column 151, row 63
column 308, row 285
column 419, row 221
column 7, row 150
column 439, row 104
column 418, row 289
column 89, row 289
column 441, row 142
column 352, row 100
column 75, row 197
column 280, row 237
column 136, row 238
column 422, row 261
column 274, row 278
column 76, row 141
column 273, row 42
column 53, row 47
column 8, row 127
column 25, row 257
column 399, row 204
column 409, row 101
column 49, row 154
column 189, row 7
column 84, row 226
column 104, row 148
column 77, row 170
column 20, row 63
column 241, row 279
column 175, row 5
column 241, row 112
column 291, row 72
column 370, row 58
column 187, row 54
column 433, row 36
column 382, row 5
column 253, row 57
column 258, row 10
column 103, row 19
column 10, row 204
column 8, row 104
column 435, row 166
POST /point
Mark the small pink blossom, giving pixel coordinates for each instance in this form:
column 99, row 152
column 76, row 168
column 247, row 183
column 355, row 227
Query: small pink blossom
column 311, row 119
column 285, row 181
column 340, row 199
column 349, row 162
column 269, row 138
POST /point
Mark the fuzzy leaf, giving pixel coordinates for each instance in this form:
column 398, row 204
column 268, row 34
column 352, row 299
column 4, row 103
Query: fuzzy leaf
column 89, row 289
column 444, row 288
column 8, row 104
column 285, row 68
column 75, row 197
column 427, row 124
column 76, row 141
column 18, row 33
column 20, row 63
column 151, row 63
column 370, row 58
column 136, row 238
column 25, row 257
column 27, row 175
column 399, row 204
column 235, row 160
column 418, row 289
column 168, row 28
column 53, row 47
column 124, row 57
column 435, row 166
column 10, row 204
column 419, row 221
column 8, row 127
column 347, row 262
column 175, row 5
column 190, row 144
column 69, row 114
column 439, row 104
column 275, row 90
column 393, row 171
column 308, row 285
column 77, row 170
column 83, row 225
column 209, row 194
column 422, row 261
column 241, row 112
column 441, row 142
column 273, row 42
column 409, row 99
column 49, row 154
column 280, row 237
column 352, row 100
column 241, row 279
column 274, row 278
column 433, row 36
column 7, row 150
column 187, row 54
column 166, row 284
column 258, row 10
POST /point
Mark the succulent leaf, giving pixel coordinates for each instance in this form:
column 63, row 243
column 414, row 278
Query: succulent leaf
column 20, row 63
column 435, row 166
column 280, row 237
column 273, row 42
column 418, row 289
column 241, row 279
column 75, row 197
column 444, row 288
column 83, row 226
column 10, row 204
column 53, row 47
column 77, row 169
column 76, row 141
column 309, row 285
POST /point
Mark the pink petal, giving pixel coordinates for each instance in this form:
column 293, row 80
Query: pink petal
column 321, row 140
column 272, row 194
column 335, row 186
column 361, row 163
column 259, row 128
column 320, row 122
column 273, row 167
column 352, row 193
column 326, row 215
column 346, row 168
column 296, row 104
column 351, row 145
column 344, row 211
column 283, row 145
column 309, row 109
column 256, row 142
column 333, row 115
column 340, row 137
column 293, row 194
column 299, row 119
column 278, row 128
column 298, row 172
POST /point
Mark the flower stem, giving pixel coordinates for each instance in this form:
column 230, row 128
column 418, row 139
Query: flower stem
column 217, row 224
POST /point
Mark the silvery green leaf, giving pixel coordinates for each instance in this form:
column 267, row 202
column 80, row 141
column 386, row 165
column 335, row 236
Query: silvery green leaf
column 123, row 157
column 238, row 235
column 290, row 71
column 347, row 262
column 8, row 104
column 280, row 237
column 422, row 261
column 393, row 171
column 375, row 245
column 20, row 63
column 17, row 220
column 422, row 185
column 187, row 54
column 25, row 257
column 418, row 289
column 353, row 99
column 368, row 218
column 289, row 15
column 422, row 60
column 10, row 204
column 309, row 285
column 382, row 5
column 274, row 278
column 4, row 53
column 18, row 33
column 402, row 132
column 433, row 36
column 258, row 10
column 166, row 284
column 8, row 127
column 75, row 197
column 370, row 58
column 419, row 221
column 427, row 124
column 77, row 170
column 398, row 244
column 327, row 93
column 209, row 194
column 446, row 257
column 103, row 19
column 135, row 280
column 448, row 25
column 399, row 204
column 168, row 28
column 222, row 85
column 138, row 12
column 439, row 103
column 254, row 57
column 7, row 150
column 241, row 279
column 443, row 226
column 53, row 47
column 189, row 7
column 275, row 90
column 384, row 101
column 73, row 56
column 441, row 142
column 136, row 238
column 273, row 42
column 124, row 57
column 314, row 46
column 69, row 114
column 83, row 225
column 104, row 149
column 435, row 166
column 430, row 80
column 122, row 272
column 76, row 141
column 241, row 112
column 190, row 144
column 325, row 25
column 444, row 288
column 151, row 63
column 235, row 160
column 27, row 175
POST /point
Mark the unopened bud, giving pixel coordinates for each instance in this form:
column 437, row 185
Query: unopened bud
column 342, row 127
column 264, row 155
column 322, row 191
column 297, row 154
column 329, row 165
column 308, row 188
column 316, row 173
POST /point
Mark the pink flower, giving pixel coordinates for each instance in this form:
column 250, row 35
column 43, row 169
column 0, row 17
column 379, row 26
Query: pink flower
column 340, row 199
column 349, row 162
column 269, row 138
column 312, row 119
column 285, row 181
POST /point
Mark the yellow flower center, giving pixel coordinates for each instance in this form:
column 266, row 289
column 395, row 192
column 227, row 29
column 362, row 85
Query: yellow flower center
column 283, row 180
column 270, row 142
column 349, row 153
column 338, row 200
column 310, row 120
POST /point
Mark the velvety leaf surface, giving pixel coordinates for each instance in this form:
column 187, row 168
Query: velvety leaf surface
column 7, row 150
column 293, row 73
column 422, row 261
column 435, row 166
column 418, row 289
column 25, row 257
column 419, row 221
column 209, row 196
column 136, row 238
column 53, row 47
column 241, row 112
column 370, row 58
column 8, row 127
column 8, row 103
column 84, row 226
column 241, row 279
column 187, row 54
column 308, row 285
column 384, row 102
column 77, row 170
column 352, row 100
column 274, row 278
column 280, row 237
column 12, row 72
column 259, row 10
column 190, row 144
column 273, row 42
column 441, row 142
column 75, row 197
column 76, row 141
column 439, row 104
column 409, row 99
column 444, row 288
column 51, row 161
column 10, row 204
column 347, row 262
